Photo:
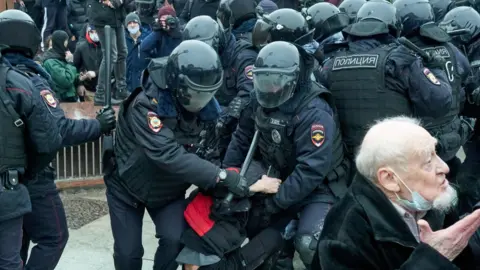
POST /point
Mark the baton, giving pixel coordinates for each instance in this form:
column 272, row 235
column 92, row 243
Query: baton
column 407, row 43
column 458, row 32
column 107, row 138
column 108, row 66
column 246, row 164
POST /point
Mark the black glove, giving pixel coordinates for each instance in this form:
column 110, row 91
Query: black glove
column 474, row 97
column 435, row 61
column 235, row 107
column 271, row 207
column 106, row 117
column 237, row 184
column 222, row 126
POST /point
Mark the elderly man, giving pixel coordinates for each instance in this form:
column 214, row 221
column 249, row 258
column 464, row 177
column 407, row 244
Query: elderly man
column 384, row 222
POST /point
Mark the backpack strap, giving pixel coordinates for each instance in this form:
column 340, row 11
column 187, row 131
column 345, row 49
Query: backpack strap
column 6, row 100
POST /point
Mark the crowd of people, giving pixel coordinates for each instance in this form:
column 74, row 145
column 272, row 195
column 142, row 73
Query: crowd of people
column 330, row 129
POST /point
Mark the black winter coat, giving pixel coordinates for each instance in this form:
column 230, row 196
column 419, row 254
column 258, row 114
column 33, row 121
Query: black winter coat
column 365, row 232
column 77, row 16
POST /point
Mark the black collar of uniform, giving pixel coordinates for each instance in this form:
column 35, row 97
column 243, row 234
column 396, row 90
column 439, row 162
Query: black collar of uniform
column 386, row 222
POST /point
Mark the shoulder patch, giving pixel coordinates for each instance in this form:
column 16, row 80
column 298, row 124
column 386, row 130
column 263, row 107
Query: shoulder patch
column 440, row 50
column 430, row 76
column 49, row 98
column 317, row 134
column 154, row 122
column 249, row 72
column 355, row 61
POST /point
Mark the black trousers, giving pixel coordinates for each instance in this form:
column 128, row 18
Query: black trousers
column 127, row 222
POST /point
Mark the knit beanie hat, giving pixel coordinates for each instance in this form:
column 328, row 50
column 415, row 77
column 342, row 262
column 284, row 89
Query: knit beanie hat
column 268, row 6
column 132, row 17
column 167, row 10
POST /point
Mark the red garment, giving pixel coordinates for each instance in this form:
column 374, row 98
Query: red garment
column 198, row 212
column 87, row 36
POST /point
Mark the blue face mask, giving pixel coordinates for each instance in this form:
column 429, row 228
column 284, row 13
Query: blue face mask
column 418, row 203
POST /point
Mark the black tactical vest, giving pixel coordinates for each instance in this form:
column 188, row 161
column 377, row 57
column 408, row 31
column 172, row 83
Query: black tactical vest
column 357, row 82
column 229, row 88
column 446, row 129
column 276, row 145
column 12, row 138
column 143, row 179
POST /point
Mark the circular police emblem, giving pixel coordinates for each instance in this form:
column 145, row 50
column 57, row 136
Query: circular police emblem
column 48, row 98
column 276, row 137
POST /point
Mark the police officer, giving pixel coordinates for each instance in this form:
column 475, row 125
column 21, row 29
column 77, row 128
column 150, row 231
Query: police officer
column 291, row 26
column 328, row 21
column 237, row 58
column 441, row 7
column 300, row 141
column 451, row 130
column 239, row 15
column 467, row 18
column 27, row 129
column 46, row 225
column 351, row 7
column 154, row 164
column 387, row 78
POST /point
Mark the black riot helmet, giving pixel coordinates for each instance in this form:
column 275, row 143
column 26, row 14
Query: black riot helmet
column 231, row 13
column 205, row 29
column 414, row 14
column 13, row 22
column 351, row 7
column 276, row 73
column 462, row 18
column 441, row 7
column 375, row 17
column 308, row 3
column 194, row 72
column 326, row 19
column 282, row 25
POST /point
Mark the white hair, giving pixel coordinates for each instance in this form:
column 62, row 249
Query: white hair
column 387, row 143
column 446, row 201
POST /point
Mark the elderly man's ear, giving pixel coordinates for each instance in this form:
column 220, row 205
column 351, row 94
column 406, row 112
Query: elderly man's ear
column 386, row 179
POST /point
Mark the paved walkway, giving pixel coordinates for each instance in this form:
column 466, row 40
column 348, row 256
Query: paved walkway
column 91, row 246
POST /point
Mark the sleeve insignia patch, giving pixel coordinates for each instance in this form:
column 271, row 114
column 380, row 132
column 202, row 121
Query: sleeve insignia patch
column 318, row 135
column 48, row 98
column 249, row 72
column 154, row 122
column 430, row 76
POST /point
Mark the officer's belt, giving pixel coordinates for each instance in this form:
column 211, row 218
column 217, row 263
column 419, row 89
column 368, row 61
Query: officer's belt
column 9, row 179
column 337, row 178
column 446, row 127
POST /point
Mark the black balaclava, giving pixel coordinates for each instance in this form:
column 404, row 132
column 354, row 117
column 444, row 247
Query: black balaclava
column 58, row 42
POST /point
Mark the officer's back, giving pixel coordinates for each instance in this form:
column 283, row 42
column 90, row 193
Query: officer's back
column 376, row 77
column 450, row 130
column 27, row 128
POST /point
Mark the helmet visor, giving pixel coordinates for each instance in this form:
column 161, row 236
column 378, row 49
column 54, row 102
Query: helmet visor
column 274, row 87
column 197, row 91
column 261, row 33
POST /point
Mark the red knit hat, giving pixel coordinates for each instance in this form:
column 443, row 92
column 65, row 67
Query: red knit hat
column 167, row 10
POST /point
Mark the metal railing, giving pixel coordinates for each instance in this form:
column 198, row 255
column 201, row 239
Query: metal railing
column 79, row 162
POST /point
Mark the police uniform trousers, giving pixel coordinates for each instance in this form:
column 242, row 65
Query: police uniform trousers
column 126, row 217
column 310, row 216
column 46, row 226
column 10, row 243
